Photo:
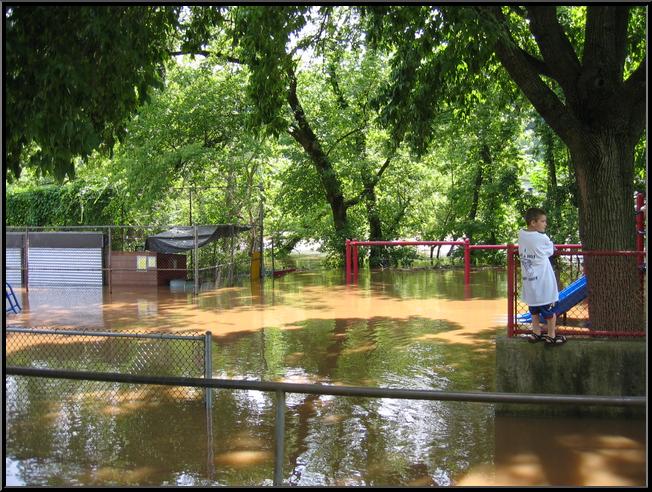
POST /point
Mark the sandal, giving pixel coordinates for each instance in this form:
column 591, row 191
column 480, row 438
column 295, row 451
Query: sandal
column 558, row 340
column 534, row 338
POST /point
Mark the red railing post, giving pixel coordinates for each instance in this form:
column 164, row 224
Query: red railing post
column 511, row 271
column 640, row 221
column 467, row 261
column 355, row 262
column 347, row 260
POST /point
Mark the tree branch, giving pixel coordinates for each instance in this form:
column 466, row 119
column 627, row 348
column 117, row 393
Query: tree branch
column 369, row 186
column 635, row 90
column 539, row 65
column 526, row 77
column 605, row 42
column 222, row 56
column 302, row 132
column 355, row 130
column 555, row 47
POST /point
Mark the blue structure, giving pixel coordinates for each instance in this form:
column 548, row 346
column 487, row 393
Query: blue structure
column 568, row 298
column 11, row 303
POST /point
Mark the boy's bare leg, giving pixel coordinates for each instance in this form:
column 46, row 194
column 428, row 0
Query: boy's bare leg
column 536, row 328
column 550, row 323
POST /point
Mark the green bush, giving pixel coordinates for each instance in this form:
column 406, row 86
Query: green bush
column 75, row 203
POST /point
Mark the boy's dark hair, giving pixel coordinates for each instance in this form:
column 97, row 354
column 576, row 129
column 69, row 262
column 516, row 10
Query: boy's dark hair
column 533, row 214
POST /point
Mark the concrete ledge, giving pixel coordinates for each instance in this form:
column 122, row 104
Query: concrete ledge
column 600, row 367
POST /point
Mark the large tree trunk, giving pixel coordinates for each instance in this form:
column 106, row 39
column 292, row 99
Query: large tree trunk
column 607, row 223
column 600, row 118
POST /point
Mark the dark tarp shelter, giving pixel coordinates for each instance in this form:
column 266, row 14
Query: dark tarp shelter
column 182, row 238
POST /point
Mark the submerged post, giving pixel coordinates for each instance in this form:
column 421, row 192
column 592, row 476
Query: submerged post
column 279, row 444
column 511, row 269
column 208, row 395
column 355, row 263
column 640, row 221
column 347, row 261
column 467, row 261
column 109, row 262
column 208, row 368
column 196, row 258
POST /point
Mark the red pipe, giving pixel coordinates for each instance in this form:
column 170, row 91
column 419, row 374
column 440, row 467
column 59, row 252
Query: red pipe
column 407, row 243
column 488, row 246
column 447, row 243
column 640, row 221
column 467, row 261
column 511, row 273
column 355, row 262
column 347, row 260
column 607, row 252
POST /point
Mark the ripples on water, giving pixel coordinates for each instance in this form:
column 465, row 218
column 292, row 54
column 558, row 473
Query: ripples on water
column 417, row 330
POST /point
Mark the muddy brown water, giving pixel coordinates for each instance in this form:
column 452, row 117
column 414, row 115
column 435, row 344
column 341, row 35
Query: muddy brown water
column 395, row 329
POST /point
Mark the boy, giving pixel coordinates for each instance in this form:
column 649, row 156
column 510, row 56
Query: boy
column 540, row 291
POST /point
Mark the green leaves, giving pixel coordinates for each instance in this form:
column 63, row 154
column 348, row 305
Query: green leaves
column 75, row 203
column 75, row 73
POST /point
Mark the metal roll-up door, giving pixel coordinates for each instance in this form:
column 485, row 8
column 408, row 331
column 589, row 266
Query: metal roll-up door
column 13, row 266
column 65, row 266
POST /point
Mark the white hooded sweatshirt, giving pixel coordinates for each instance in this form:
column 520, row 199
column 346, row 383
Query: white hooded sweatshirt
column 539, row 282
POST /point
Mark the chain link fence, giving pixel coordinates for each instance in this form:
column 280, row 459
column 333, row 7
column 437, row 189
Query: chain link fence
column 597, row 286
column 110, row 352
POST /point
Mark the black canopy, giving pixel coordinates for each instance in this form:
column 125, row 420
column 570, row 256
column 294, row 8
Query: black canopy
column 182, row 238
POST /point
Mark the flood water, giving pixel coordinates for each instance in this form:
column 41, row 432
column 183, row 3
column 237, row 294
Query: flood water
column 395, row 329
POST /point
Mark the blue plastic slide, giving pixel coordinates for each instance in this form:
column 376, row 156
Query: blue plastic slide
column 11, row 303
column 569, row 297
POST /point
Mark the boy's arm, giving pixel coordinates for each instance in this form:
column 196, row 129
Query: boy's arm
column 548, row 247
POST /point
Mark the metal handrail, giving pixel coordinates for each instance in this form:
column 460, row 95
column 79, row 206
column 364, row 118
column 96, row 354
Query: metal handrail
column 280, row 389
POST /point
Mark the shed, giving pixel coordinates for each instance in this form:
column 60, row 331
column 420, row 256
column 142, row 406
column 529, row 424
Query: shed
column 146, row 268
column 185, row 238
column 64, row 259
column 14, row 244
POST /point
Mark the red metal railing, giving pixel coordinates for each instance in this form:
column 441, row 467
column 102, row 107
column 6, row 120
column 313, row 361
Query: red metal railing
column 352, row 260
column 640, row 221
column 351, row 253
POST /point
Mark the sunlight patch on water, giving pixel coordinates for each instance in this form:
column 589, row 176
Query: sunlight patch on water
column 243, row 458
column 122, row 476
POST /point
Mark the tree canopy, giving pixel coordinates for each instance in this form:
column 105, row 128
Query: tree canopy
column 74, row 74
column 376, row 121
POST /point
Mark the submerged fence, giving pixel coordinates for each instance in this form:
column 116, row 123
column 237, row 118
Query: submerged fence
column 115, row 256
column 281, row 389
column 154, row 354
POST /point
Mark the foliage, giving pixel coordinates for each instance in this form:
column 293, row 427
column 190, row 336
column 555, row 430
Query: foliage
column 190, row 140
column 465, row 154
column 67, row 95
column 74, row 203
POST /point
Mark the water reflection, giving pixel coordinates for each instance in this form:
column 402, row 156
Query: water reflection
column 563, row 451
column 419, row 330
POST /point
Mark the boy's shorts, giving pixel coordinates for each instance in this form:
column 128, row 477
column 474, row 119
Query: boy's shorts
column 546, row 311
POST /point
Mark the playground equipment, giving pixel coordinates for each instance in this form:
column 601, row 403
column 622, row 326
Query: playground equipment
column 570, row 297
column 11, row 303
